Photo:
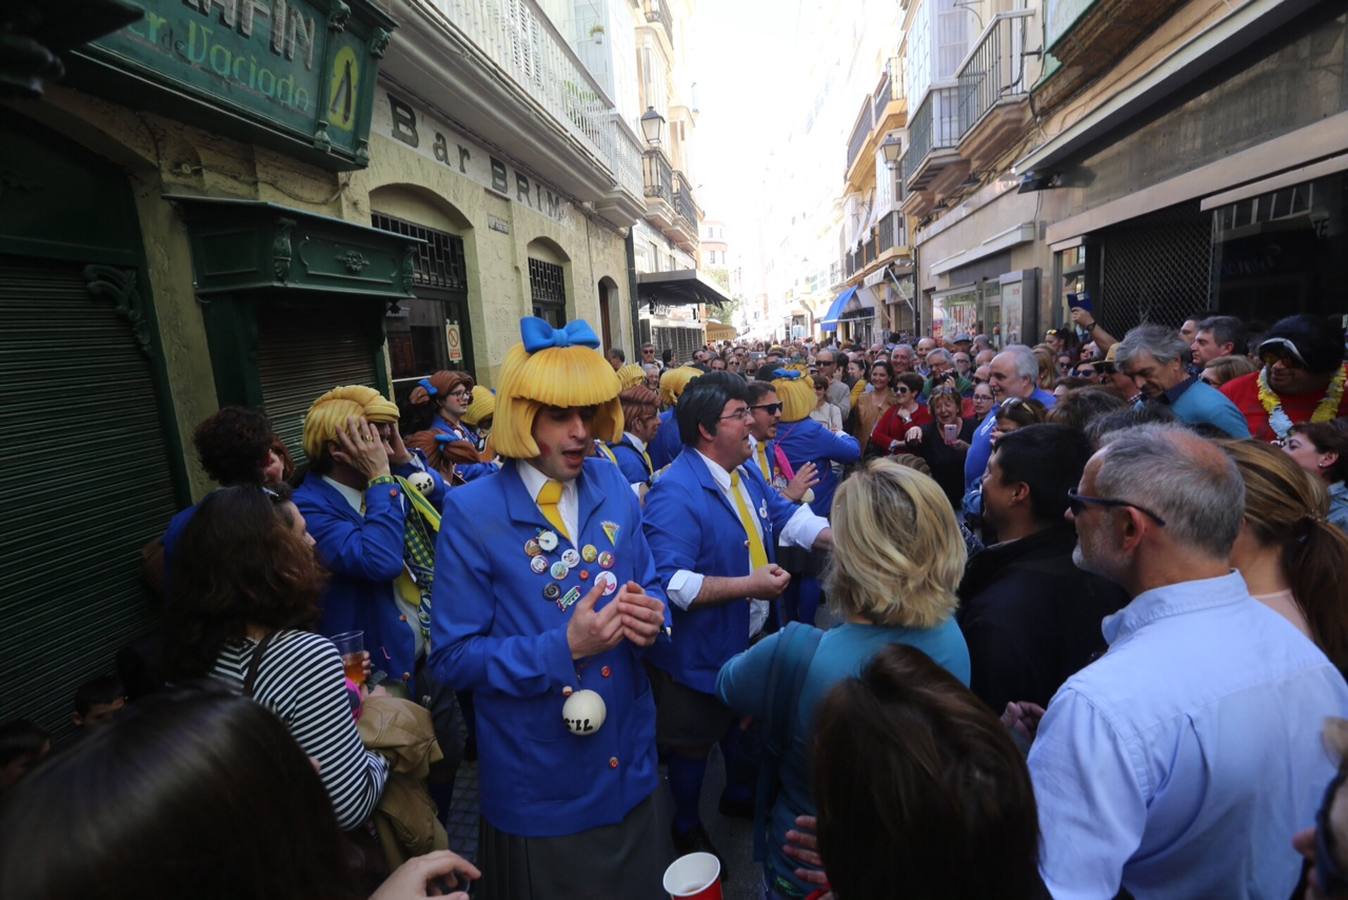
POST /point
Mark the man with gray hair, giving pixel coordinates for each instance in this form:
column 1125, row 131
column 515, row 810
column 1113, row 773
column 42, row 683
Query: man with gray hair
column 903, row 358
column 1012, row 373
column 1217, row 336
column 1153, row 357
column 1177, row 764
column 941, row 370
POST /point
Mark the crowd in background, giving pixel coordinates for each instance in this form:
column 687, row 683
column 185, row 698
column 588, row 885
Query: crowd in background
column 1059, row 620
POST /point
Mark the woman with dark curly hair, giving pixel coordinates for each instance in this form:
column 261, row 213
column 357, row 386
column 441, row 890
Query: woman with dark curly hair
column 246, row 593
column 235, row 445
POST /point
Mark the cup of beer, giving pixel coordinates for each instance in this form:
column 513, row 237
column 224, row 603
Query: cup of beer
column 351, row 645
column 694, row 876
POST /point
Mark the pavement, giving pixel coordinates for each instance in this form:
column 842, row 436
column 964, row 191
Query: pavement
column 733, row 837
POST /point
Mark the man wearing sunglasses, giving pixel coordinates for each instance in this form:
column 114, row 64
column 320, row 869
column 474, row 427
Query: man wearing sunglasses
column 1177, row 764
column 1302, row 379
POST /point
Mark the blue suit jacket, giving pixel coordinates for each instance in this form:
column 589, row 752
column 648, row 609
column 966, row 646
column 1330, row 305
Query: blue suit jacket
column 631, row 462
column 692, row 525
column 364, row 555
column 809, row 441
column 495, row 633
column 666, row 444
column 467, row 471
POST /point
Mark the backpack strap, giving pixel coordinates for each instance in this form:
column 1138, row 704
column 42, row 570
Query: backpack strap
column 791, row 660
column 255, row 663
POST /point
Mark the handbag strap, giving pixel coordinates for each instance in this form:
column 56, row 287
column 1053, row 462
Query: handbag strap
column 255, row 663
column 791, row 660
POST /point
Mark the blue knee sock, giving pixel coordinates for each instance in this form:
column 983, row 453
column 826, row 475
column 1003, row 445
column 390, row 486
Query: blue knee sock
column 685, row 784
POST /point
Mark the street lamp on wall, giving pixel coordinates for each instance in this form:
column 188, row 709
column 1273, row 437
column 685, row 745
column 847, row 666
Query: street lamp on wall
column 651, row 125
column 891, row 147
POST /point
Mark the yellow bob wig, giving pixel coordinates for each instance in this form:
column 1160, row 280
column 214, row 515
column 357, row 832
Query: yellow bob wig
column 631, row 375
column 330, row 412
column 556, row 376
column 797, row 397
column 482, row 407
column 674, row 381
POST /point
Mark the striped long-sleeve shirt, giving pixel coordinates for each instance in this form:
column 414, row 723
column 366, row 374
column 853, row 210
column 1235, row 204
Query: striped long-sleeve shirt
column 301, row 681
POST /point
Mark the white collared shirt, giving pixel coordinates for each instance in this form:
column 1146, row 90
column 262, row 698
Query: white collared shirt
column 568, row 506
column 636, row 441
column 801, row 531
column 356, row 499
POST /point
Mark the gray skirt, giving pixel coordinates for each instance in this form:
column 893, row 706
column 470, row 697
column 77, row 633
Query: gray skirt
column 626, row 860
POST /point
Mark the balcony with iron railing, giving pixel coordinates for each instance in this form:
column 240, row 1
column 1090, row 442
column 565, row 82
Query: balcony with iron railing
column 883, row 241
column 684, row 204
column 1086, row 39
column 861, row 130
column 994, row 106
column 932, row 163
column 883, row 110
column 658, row 11
column 669, row 200
column 504, row 68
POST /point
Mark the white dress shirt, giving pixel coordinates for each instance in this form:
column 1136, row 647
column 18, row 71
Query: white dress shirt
column 801, row 531
column 568, row 506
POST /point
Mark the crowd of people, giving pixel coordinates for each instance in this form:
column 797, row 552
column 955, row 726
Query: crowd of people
column 962, row 620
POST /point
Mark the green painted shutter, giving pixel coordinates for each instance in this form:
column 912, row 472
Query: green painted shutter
column 85, row 482
column 304, row 351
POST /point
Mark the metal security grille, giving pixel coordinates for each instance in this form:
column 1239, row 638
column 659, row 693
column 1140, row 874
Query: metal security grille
column 547, row 291
column 439, row 261
column 683, row 341
column 1155, row 268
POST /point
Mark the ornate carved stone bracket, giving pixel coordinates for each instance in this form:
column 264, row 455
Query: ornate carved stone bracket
column 119, row 286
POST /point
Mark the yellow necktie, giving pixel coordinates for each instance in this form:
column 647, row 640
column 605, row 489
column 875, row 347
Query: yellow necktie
column 763, row 462
column 758, row 557
column 547, row 504
column 650, row 466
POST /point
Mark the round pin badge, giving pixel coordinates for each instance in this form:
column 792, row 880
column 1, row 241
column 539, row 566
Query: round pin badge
column 532, row 548
column 547, row 540
column 559, row 570
column 539, row 564
column 609, row 582
column 589, row 553
column 606, row 560
column 571, row 558
column 552, row 591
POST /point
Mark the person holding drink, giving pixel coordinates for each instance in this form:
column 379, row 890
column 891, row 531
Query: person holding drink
column 246, row 592
column 944, row 441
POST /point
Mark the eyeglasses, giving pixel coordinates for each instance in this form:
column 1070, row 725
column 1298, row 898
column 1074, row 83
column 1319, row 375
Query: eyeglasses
column 770, row 408
column 460, row 394
column 1079, row 502
column 741, row 414
column 901, row 390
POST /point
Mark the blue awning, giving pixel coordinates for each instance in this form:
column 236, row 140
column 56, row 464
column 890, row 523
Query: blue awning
column 830, row 320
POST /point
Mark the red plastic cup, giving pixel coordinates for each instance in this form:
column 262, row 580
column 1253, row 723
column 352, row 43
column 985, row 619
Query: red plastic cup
column 696, row 876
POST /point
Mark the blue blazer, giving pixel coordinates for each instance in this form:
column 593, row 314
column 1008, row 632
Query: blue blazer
column 809, row 441
column 666, row 444
column 692, row 525
column 364, row 555
column 467, row 471
column 496, row 633
column 631, row 462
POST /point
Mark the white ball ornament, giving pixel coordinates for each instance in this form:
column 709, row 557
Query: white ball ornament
column 422, row 481
column 584, row 712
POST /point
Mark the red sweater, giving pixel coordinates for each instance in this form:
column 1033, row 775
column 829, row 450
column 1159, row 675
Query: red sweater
column 1244, row 392
column 892, row 427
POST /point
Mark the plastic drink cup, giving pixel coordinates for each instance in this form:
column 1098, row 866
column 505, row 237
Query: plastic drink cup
column 695, row 876
column 351, row 645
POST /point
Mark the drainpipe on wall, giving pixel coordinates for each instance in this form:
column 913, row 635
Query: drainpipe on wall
column 630, row 244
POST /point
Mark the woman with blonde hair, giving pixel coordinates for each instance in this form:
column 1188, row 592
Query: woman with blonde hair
column 897, row 558
column 1289, row 554
column 1222, row 369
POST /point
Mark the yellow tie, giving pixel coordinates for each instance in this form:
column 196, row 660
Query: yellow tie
column 547, row 504
column 650, row 466
column 758, row 557
column 763, row 462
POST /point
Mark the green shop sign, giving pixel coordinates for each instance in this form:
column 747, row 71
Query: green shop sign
column 296, row 75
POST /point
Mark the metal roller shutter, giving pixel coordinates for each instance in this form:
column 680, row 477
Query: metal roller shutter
column 84, row 484
column 300, row 355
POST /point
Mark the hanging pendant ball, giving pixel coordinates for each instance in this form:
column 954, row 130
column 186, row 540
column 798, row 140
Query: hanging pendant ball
column 584, row 712
column 422, row 481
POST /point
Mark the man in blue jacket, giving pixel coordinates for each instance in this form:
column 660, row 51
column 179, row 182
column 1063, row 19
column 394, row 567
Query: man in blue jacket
column 367, row 531
column 546, row 600
column 713, row 525
column 665, row 445
column 641, row 424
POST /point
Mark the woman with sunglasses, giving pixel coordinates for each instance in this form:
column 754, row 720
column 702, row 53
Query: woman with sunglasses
column 1289, row 554
column 896, row 428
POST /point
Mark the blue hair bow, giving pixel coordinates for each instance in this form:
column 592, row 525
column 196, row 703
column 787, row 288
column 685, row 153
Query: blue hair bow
column 786, row 373
column 430, row 388
column 539, row 335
